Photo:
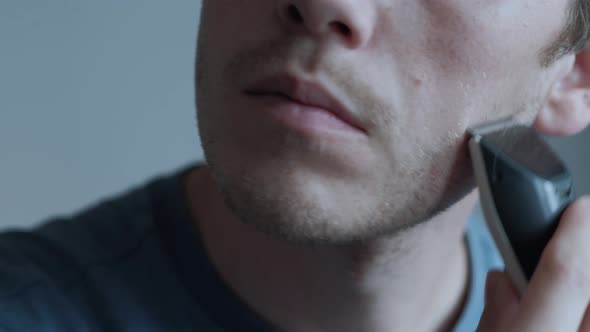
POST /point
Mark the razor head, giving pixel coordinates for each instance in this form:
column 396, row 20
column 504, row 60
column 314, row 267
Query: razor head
column 520, row 145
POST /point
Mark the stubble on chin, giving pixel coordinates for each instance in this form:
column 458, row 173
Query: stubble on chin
column 411, row 198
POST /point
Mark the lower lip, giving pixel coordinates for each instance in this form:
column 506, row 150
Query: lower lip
column 301, row 117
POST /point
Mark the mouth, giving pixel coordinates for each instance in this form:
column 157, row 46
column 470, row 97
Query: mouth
column 310, row 98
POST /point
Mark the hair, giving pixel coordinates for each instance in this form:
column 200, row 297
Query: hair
column 576, row 34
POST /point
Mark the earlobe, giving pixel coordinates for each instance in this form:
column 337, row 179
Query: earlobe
column 566, row 114
column 567, row 109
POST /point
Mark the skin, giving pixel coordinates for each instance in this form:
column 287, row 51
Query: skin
column 352, row 231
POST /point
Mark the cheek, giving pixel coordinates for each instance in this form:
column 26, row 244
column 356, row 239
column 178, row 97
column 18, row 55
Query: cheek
column 485, row 65
column 455, row 71
column 229, row 26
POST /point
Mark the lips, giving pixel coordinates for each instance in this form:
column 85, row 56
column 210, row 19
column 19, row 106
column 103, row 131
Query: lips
column 305, row 93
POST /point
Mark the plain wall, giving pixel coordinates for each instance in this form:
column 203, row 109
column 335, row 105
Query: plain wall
column 97, row 96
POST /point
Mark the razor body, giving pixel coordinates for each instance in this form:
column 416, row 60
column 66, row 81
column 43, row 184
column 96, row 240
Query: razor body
column 524, row 188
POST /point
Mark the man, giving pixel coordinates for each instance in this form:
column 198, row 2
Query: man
column 337, row 193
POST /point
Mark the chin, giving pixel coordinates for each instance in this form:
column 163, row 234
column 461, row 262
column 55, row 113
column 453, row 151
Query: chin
column 306, row 197
column 315, row 211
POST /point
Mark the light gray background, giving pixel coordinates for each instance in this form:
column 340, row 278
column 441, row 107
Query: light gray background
column 97, row 96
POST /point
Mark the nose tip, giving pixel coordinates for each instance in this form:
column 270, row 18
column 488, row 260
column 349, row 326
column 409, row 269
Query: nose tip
column 347, row 21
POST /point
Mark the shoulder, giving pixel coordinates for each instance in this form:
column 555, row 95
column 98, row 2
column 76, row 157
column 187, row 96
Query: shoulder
column 46, row 272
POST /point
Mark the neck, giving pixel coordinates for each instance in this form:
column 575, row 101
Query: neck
column 412, row 281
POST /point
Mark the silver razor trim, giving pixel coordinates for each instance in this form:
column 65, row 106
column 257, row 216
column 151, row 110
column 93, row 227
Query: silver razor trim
column 477, row 132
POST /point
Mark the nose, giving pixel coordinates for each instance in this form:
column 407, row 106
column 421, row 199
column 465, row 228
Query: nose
column 350, row 22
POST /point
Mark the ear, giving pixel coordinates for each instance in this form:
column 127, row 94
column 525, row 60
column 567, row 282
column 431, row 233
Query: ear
column 567, row 111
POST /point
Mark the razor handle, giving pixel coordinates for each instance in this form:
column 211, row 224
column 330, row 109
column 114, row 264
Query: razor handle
column 529, row 206
column 524, row 189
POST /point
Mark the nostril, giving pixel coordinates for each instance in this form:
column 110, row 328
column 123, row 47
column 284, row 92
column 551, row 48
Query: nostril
column 342, row 28
column 294, row 14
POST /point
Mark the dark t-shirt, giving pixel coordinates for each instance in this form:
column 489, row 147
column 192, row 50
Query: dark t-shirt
column 134, row 263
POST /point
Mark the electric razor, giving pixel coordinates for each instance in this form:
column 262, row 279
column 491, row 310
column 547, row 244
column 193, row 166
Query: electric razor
column 524, row 188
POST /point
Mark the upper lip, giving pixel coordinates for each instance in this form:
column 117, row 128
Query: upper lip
column 304, row 92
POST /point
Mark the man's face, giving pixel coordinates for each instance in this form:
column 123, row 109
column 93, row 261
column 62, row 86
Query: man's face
column 415, row 74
